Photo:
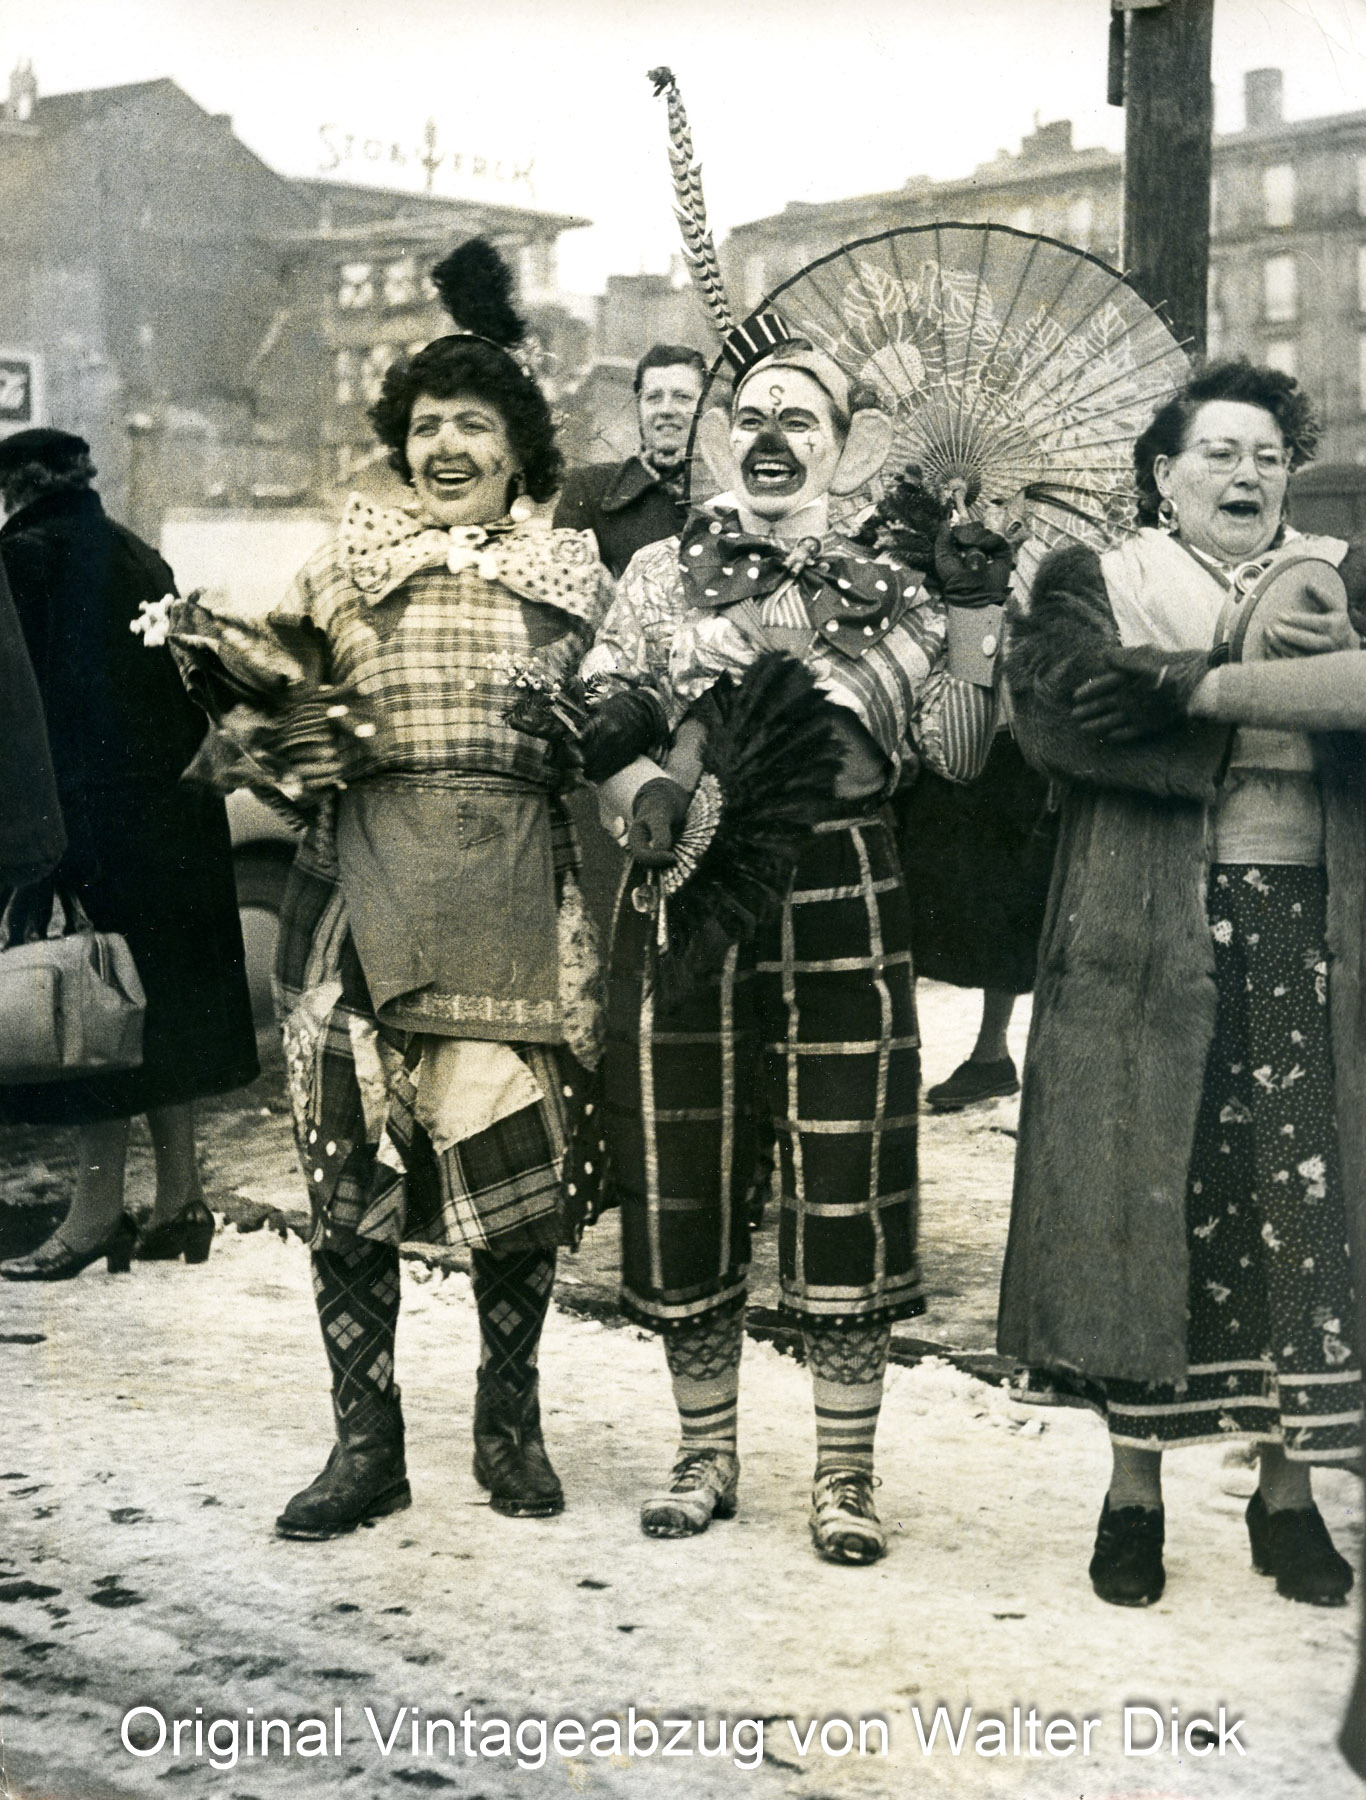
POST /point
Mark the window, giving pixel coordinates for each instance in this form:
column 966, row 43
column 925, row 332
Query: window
column 377, row 360
column 400, row 283
column 1278, row 194
column 1280, row 354
column 1280, row 289
column 1214, row 317
column 356, row 286
column 344, row 371
column 1361, row 277
column 1080, row 220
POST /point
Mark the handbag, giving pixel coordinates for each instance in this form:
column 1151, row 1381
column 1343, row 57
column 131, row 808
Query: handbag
column 71, row 1003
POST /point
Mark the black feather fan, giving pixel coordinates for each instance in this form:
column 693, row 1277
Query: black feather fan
column 771, row 745
column 475, row 286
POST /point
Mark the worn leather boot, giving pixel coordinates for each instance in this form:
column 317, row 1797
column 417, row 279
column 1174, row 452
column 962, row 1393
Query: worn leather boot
column 509, row 1452
column 364, row 1478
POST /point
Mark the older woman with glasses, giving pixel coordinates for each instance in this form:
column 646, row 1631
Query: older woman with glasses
column 1192, row 1158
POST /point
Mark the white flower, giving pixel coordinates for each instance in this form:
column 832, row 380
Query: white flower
column 1269, row 1237
column 153, row 622
column 1315, row 1177
column 1265, row 1078
column 1223, row 932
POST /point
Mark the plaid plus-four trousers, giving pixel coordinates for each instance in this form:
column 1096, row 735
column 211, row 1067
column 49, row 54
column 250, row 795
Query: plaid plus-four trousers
column 808, row 1039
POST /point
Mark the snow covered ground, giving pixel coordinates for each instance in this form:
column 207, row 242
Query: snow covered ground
column 153, row 1425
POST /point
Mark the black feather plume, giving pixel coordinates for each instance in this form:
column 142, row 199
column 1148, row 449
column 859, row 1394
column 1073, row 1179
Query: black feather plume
column 475, row 286
column 771, row 744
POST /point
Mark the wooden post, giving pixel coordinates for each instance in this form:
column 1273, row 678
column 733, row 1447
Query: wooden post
column 1169, row 125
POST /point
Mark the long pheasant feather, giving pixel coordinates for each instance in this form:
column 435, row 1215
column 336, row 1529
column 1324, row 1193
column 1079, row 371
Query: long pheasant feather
column 699, row 252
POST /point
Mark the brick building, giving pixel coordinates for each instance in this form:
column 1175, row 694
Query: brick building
column 1288, row 253
column 213, row 328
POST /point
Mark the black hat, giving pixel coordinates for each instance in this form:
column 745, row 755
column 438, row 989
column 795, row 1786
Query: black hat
column 40, row 444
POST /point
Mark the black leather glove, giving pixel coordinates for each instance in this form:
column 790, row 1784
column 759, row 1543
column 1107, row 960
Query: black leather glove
column 656, row 820
column 1144, row 691
column 973, row 565
column 621, row 727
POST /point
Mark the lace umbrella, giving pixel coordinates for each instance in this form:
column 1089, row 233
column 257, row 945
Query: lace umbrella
column 1017, row 369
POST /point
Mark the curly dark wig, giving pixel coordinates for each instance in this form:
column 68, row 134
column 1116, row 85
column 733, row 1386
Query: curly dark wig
column 1276, row 393
column 469, row 365
column 475, row 286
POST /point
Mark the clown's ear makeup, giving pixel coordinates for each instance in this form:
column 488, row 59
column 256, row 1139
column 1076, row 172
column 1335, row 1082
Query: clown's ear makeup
column 866, row 448
column 714, row 446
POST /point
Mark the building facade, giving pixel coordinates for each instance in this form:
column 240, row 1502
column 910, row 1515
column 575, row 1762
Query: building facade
column 215, row 329
column 1288, row 238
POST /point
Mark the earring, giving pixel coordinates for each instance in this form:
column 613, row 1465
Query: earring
column 520, row 507
column 1166, row 515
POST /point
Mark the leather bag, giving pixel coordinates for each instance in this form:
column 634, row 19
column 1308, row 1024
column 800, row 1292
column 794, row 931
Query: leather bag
column 71, row 1003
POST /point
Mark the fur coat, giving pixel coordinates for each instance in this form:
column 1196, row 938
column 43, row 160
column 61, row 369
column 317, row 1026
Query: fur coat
column 1095, row 1273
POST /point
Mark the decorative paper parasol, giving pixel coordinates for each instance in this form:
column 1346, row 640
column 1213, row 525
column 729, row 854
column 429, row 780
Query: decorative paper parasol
column 1017, row 369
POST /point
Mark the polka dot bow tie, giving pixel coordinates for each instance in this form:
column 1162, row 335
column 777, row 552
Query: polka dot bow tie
column 851, row 601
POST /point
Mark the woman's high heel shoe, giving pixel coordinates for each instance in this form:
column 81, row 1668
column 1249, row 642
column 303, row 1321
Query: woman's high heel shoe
column 188, row 1234
column 55, row 1260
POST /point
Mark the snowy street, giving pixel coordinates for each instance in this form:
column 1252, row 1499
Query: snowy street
column 155, row 1424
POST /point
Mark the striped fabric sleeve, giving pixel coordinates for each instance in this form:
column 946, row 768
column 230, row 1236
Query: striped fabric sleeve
column 953, row 725
column 631, row 646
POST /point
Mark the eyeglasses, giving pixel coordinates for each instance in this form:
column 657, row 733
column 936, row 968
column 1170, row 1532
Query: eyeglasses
column 1225, row 457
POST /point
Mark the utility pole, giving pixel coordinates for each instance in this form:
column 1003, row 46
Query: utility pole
column 1160, row 74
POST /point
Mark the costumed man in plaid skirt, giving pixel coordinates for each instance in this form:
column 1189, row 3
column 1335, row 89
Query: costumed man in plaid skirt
column 436, row 979
column 806, row 1034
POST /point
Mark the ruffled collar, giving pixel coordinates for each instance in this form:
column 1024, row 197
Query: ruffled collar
column 379, row 547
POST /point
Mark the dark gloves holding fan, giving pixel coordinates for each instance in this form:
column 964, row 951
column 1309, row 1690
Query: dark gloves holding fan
column 657, row 818
column 973, row 566
column 1143, row 692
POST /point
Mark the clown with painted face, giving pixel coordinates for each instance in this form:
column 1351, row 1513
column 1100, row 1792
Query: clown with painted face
column 806, row 1039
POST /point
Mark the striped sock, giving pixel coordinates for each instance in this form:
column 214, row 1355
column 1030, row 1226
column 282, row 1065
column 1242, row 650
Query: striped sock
column 847, row 1365
column 704, row 1366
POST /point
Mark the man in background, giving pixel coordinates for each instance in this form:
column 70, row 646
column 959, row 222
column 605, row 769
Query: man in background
column 642, row 500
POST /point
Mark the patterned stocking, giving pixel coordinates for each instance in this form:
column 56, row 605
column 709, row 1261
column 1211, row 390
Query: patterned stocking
column 513, row 1297
column 357, row 1292
column 704, row 1365
column 847, row 1364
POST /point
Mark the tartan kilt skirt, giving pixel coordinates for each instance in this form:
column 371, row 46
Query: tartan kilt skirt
column 806, row 1042
column 370, row 1167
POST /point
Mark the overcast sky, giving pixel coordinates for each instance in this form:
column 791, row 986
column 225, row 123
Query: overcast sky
column 789, row 99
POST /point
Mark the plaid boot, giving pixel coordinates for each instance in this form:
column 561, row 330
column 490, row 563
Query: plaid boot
column 357, row 1292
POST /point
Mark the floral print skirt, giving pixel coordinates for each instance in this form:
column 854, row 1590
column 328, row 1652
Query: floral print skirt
column 1270, row 1337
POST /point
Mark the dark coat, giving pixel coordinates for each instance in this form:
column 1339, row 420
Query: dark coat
column 148, row 856
column 1095, row 1275
column 32, row 836
column 624, row 505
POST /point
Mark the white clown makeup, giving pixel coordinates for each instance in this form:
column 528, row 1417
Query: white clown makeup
column 786, row 440
column 461, row 459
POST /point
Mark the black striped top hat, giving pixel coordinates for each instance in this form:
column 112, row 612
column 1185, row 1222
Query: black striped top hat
column 756, row 337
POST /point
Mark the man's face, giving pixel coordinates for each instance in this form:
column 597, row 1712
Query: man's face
column 461, row 459
column 666, row 403
column 786, row 440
